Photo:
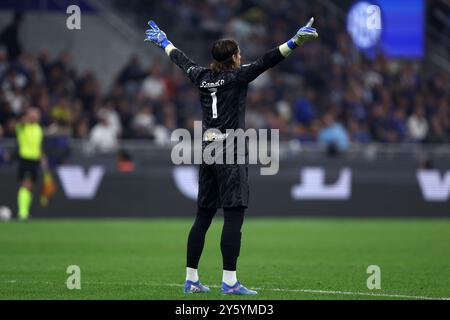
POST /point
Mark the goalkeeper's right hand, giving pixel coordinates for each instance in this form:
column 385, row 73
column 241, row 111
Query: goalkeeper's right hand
column 156, row 35
column 303, row 34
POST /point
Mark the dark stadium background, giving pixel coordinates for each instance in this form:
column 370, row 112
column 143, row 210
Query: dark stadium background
column 390, row 115
column 364, row 176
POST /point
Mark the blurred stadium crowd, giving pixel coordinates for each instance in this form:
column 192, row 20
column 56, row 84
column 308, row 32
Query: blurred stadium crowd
column 326, row 91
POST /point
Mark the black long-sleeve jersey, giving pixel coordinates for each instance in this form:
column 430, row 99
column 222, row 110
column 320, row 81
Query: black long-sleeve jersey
column 223, row 95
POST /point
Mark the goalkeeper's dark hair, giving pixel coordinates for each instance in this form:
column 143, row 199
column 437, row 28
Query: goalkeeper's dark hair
column 222, row 51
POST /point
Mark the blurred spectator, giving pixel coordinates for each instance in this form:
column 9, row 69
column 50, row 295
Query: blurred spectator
column 304, row 108
column 9, row 37
column 417, row 125
column 88, row 92
column 358, row 132
column 15, row 99
column 57, row 149
column 143, row 123
column 3, row 60
column 112, row 116
column 124, row 161
column 103, row 136
column 333, row 133
column 131, row 75
column 437, row 134
column 378, row 123
column 61, row 112
column 308, row 134
column 372, row 100
column 82, row 129
column 397, row 126
column 154, row 86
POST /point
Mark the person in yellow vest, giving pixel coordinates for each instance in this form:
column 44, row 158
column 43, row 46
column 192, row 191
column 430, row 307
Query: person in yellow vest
column 29, row 138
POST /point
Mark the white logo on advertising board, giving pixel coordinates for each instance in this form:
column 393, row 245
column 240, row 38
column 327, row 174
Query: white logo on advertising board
column 186, row 180
column 79, row 185
column 433, row 187
column 313, row 187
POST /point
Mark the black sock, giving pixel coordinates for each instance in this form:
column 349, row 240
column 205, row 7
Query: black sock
column 196, row 239
column 230, row 243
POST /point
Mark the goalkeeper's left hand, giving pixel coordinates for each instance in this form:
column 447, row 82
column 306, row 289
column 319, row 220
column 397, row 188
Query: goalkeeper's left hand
column 156, row 35
column 304, row 34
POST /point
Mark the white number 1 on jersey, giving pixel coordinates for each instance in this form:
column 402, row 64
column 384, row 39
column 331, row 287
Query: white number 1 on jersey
column 214, row 102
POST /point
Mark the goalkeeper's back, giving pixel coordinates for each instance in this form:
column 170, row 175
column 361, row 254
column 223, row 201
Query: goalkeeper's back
column 223, row 87
column 223, row 90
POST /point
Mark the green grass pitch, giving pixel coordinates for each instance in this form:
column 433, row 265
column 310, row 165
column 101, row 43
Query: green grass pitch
column 284, row 258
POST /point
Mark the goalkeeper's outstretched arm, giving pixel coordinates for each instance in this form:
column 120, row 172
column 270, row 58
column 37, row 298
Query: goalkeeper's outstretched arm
column 250, row 71
column 159, row 38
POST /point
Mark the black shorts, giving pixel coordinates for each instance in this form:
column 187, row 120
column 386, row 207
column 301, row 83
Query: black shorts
column 223, row 186
column 28, row 169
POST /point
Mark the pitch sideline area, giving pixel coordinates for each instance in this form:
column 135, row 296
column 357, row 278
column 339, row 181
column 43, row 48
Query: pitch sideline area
column 367, row 295
column 282, row 258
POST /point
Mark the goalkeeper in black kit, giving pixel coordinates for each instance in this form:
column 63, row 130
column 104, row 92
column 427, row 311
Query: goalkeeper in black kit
column 223, row 90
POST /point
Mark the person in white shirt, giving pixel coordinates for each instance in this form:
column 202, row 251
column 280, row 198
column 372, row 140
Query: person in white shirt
column 417, row 125
column 104, row 135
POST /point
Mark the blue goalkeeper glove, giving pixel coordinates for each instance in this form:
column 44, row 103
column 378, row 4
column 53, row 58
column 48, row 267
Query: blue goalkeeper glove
column 303, row 34
column 156, row 35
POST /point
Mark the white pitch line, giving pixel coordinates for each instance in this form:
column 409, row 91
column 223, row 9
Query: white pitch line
column 332, row 292
column 337, row 292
